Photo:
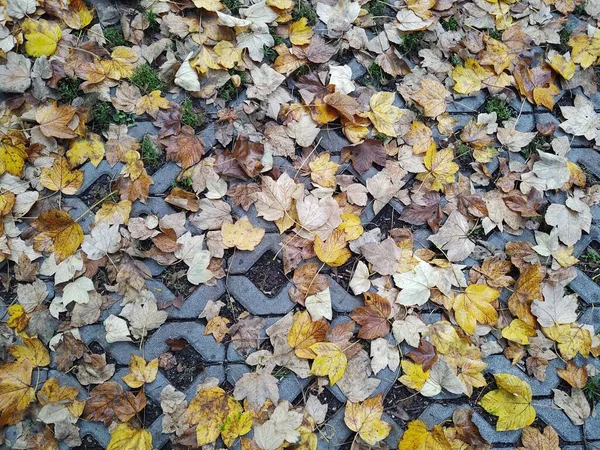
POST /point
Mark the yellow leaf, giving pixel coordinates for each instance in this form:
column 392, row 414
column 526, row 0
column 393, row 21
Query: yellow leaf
column 571, row 338
column 209, row 5
column 413, row 375
column 74, row 13
column 127, row 437
column 15, row 390
column 151, row 104
column 323, row 171
column 417, row 437
column 237, row 423
column 440, row 168
column 300, row 32
column 527, row 289
column 330, row 361
column 208, row 410
column 511, row 402
column 58, row 233
column 365, row 419
column 121, row 64
column 432, row 97
column 61, row 178
column 53, row 392
column 17, row 318
column 333, row 251
column 140, row 372
column 351, row 226
column 519, row 332
column 469, row 77
column 12, row 158
column 585, row 49
column 241, row 235
column 217, row 326
column 384, row 115
column 114, row 213
column 304, row 333
column 475, row 306
column 41, row 36
column 33, row 350
column 82, row 149
column 563, row 65
column 229, row 55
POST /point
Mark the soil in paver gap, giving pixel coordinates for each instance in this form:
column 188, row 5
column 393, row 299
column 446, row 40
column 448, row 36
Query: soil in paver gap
column 325, row 397
column 343, row 274
column 96, row 348
column 231, row 311
column 9, row 295
column 100, row 280
column 387, row 219
column 589, row 261
column 150, row 413
column 401, row 402
column 267, row 274
column 188, row 365
column 89, row 443
column 97, row 191
column 174, row 277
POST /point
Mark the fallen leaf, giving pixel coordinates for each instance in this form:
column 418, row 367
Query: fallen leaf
column 365, row 419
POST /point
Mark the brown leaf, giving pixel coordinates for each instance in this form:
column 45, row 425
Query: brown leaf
column 527, row 205
column 245, row 333
column 425, row 354
column 109, row 402
column 241, row 194
column 467, row 431
column 576, row 376
column 365, row 154
column 428, row 212
column 295, row 249
column 494, row 270
column 340, row 335
column 248, row 155
column 25, row 270
column 69, row 350
column 58, row 233
column 57, row 121
column 373, row 317
column 186, row 148
column 344, row 104
column 526, row 291
column 183, row 199
column 318, row 51
column 307, row 281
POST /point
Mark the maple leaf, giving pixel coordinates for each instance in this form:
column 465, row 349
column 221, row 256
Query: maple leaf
column 454, row 237
column 241, row 234
column 440, row 168
column 140, row 372
column 575, row 406
column 82, row 149
column 275, row 199
column 127, row 437
column 534, row 439
column 333, row 251
column 15, row 75
column 432, row 97
column 511, row 403
column 383, row 114
column 185, row 149
column 373, row 317
column 306, row 332
column 576, row 376
column 58, row 233
column 322, row 170
column 526, row 290
column 365, row 419
column 518, row 331
column 57, row 121
column 582, row 120
column 414, row 375
column 33, row 350
column 474, row 306
column 417, row 437
column 571, row 338
column 15, row 390
column 208, row 411
column 425, row 354
column 330, row 361
column 556, row 308
column 281, row 427
column 41, row 36
column 364, row 154
column 61, row 178
column 108, row 401
column 257, row 388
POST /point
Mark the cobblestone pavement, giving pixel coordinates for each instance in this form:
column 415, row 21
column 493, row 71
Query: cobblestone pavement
column 222, row 360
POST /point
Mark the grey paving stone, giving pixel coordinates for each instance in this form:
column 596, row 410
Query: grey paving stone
column 559, row 420
column 358, row 70
column 342, row 301
column 91, row 173
column 164, row 177
column 242, row 261
column 194, row 304
column 585, row 288
column 499, row 364
column 140, row 129
column 469, row 105
column 255, row 302
column 335, row 433
column 331, row 140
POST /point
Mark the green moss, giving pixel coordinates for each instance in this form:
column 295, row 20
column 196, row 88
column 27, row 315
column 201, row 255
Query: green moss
column 381, row 137
column 376, row 7
column 462, row 149
column 374, row 75
column 493, row 33
column 189, row 116
column 153, row 25
column 228, row 91
column 449, row 25
column 579, row 10
column 146, row 78
column 303, row 8
column 151, row 156
column 184, row 183
column 302, row 70
column 455, row 60
column 565, row 35
column 411, row 41
column 539, row 142
column 114, row 37
column 270, row 54
column 68, row 89
column 497, row 105
column 233, row 5
column 592, row 390
column 103, row 114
